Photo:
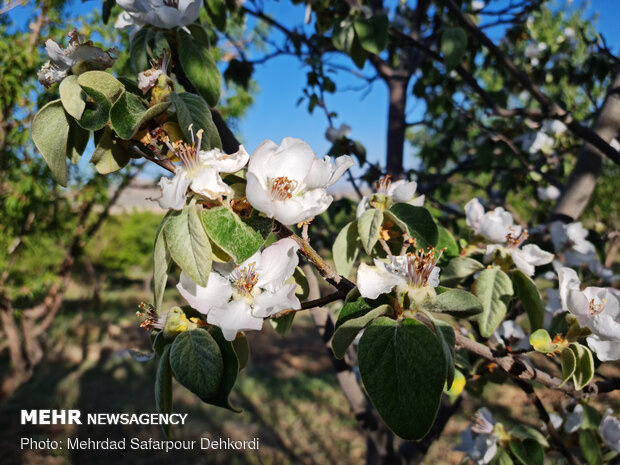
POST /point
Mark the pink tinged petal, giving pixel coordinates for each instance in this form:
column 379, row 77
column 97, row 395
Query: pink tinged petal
column 277, row 264
column 474, row 211
column 173, row 191
column 341, row 164
column 206, row 181
column 217, row 293
column 610, row 428
column 372, row 281
column 270, row 303
column 234, row 317
column 402, row 191
column 605, row 350
column 520, row 258
column 258, row 196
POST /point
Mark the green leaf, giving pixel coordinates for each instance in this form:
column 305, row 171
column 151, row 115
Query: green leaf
column 420, row 224
column 197, row 363
column 458, row 269
column 199, row 67
column 369, row 227
column 109, row 156
column 494, row 289
column 584, row 370
column 158, row 45
column 446, row 241
column 283, row 323
column 453, row 46
column 161, row 264
column 71, row 96
column 163, row 388
column 528, row 294
column 106, row 10
column 522, row 432
column 193, row 110
column 348, row 331
column 230, row 372
column 77, row 142
column 591, row 418
column 200, row 35
column 188, row 244
column 541, row 342
column 501, row 458
column 445, row 333
column 356, row 306
column 403, row 368
column 103, row 83
column 242, row 349
column 528, row 452
column 50, row 133
column 458, row 303
column 569, row 364
column 372, row 32
column 231, row 234
column 138, row 56
column 217, row 13
column 590, row 448
column 345, row 39
column 128, row 114
column 97, row 111
column 346, row 248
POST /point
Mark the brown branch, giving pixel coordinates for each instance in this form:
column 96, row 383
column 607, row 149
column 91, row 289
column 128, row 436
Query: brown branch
column 550, row 108
column 544, row 416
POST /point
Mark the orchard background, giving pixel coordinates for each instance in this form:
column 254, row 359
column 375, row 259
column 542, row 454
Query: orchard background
column 514, row 103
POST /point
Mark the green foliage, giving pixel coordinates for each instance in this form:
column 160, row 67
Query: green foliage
column 526, row 291
column 369, row 227
column 128, row 114
column 494, row 289
column 50, row 132
column 419, row 222
column 163, row 387
column 346, row 248
column 200, row 67
column 458, row 303
column 193, row 110
column 403, row 364
column 458, row 269
column 453, row 46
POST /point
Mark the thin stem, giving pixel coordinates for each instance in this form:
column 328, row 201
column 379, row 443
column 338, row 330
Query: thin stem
column 385, row 247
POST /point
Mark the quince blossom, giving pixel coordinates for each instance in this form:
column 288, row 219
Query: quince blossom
column 388, row 192
column 333, row 134
column 289, row 183
column 498, row 226
column 597, row 308
column 78, row 57
column 200, row 172
column 164, row 14
column 479, row 440
column 413, row 275
column 609, row 429
column 238, row 299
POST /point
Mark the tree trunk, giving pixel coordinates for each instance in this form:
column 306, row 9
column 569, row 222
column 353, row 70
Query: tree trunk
column 397, row 125
column 582, row 181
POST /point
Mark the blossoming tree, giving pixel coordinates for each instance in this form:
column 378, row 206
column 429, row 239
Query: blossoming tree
column 425, row 316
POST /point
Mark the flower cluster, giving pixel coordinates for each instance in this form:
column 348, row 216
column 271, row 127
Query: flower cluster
column 387, row 193
column 498, row 226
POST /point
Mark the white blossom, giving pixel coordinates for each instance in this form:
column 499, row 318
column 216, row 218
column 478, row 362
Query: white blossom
column 238, row 299
column 479, row 440
column 535, row 50
column 573, row 419
column 164, row 14
column 538, row 141
column 78, row 57
column 289, row 183
column 609, row 430
column 388, row 192
column 333, row 134
column 200, row 172
column 554, row 127
column 548, row 193
column 414, row 273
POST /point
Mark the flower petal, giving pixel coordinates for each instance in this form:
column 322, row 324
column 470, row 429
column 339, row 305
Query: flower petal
column 606, row 350
column 258, row 196
column 402, row 191
column 270, row 303
column 277, row 264
column 234, row 317
column 474, row 211
column 372, row 281
column 207, row 182
column 173, row 191
column 226, row 163
column 260, row 159
column 341, row 164
column 203, row 299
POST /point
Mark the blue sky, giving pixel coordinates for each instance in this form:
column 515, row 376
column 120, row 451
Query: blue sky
column 275, row 114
